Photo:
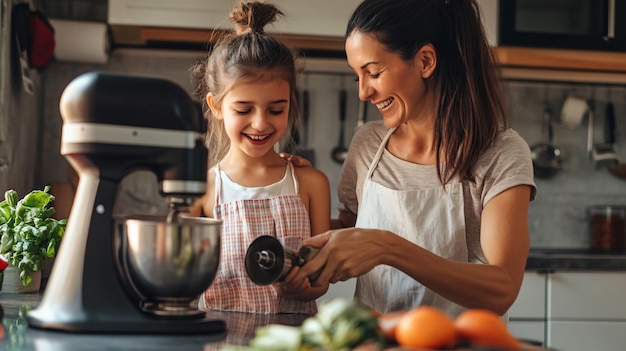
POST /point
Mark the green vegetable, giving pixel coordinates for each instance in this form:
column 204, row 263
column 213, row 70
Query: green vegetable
column 28, row 232
column 340, row 325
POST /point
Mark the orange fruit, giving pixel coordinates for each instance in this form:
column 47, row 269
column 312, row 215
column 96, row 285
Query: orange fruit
column 425, row 327
column 484, row 328
column 388, row 322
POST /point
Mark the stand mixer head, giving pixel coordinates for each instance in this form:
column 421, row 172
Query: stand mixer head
column 107, row 269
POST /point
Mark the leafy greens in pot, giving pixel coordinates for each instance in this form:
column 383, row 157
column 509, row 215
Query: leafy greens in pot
column 29, row 233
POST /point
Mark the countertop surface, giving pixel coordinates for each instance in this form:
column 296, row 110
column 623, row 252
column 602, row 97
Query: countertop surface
column 20, row 337
column 558, row 259
column 240, row 326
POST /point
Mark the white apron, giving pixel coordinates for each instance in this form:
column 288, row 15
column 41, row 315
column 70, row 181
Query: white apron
column 431, row 218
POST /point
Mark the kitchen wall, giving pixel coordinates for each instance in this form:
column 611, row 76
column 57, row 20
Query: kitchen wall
column 557, row 216
column 20, row 114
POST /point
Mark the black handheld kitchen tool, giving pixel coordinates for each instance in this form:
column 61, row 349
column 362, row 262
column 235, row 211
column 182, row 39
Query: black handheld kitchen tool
column 268, row 261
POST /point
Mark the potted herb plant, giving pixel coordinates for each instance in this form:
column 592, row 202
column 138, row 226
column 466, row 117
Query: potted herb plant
column 29, row 233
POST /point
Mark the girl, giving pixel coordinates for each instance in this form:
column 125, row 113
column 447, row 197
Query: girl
column 247, row 85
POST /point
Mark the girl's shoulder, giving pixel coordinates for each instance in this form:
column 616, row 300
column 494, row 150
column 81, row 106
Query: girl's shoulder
column 311, row 176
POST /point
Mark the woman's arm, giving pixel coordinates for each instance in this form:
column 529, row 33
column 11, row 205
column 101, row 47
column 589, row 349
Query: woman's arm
column 351, row 252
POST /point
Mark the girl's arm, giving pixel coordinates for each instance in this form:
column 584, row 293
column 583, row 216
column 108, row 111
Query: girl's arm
column 315, row 191
column 203, row 206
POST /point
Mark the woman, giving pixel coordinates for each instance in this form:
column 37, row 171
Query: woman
column 438, row 191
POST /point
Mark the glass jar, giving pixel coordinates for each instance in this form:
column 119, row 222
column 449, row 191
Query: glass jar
column 607, row 227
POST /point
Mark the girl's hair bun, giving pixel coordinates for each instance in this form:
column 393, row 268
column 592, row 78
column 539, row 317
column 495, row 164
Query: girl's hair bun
column 253, row 16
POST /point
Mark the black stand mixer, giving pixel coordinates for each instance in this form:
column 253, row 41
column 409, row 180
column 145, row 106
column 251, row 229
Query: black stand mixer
column 114, row 275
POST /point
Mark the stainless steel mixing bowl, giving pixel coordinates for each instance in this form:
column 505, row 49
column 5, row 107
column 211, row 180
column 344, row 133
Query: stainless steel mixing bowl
column 168, row 264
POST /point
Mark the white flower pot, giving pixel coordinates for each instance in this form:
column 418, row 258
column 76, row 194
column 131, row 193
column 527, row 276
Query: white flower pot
column 11, row 283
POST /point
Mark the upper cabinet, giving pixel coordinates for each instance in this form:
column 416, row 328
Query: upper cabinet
column 320, row 26
column 302, row 17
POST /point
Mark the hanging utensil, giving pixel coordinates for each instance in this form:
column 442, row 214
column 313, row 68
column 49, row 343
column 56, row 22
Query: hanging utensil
column 306, row 151
column 547, row 158
column 340, row 151
column 293, row 145
column 603, row 154
column 619, row 168
column 361, row 115
column 590, row 128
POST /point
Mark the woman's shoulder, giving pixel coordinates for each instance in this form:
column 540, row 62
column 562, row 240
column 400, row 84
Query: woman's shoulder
column 509, row 143
column 370, row 129
column 369, row 136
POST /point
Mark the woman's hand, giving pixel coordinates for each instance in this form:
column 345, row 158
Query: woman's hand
column 296, row 160
column 345, row 253
column 296, row 288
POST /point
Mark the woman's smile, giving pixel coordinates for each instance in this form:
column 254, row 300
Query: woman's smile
column 383, row 105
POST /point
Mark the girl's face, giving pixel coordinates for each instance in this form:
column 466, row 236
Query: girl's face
column 256, row 115
column 397, row 87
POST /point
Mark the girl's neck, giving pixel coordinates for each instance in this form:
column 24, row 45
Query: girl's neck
column 236, row 159
column 253, row 171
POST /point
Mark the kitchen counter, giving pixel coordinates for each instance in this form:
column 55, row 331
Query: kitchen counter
column 240, row 328
column 19, row 337
column 575, row 260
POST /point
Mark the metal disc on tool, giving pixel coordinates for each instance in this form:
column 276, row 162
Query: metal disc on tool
column 265, row 259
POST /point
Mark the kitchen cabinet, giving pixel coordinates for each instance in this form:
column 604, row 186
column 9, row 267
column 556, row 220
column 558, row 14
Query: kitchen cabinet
column 586, row 310
column 572, row 310
column 527, row 316
column 322, row 17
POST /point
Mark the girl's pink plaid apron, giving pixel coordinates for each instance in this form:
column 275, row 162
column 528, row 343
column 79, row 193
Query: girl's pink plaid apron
column 282, row 216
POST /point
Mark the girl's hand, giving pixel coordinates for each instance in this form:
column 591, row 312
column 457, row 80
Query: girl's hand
column 296, row 160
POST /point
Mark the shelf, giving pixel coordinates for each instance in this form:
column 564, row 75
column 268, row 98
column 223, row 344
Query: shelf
column 124, row 35
column 517, row 63
column 578, row 60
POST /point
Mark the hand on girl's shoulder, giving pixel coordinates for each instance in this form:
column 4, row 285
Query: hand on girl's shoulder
column 296, row 161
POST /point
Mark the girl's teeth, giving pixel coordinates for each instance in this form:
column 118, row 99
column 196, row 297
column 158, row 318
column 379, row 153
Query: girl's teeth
column 258, row 137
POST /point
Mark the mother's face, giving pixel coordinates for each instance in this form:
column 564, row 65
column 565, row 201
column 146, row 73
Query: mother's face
column 397, row 87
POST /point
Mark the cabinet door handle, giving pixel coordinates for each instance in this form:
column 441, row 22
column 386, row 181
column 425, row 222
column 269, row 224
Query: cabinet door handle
column 610, row 29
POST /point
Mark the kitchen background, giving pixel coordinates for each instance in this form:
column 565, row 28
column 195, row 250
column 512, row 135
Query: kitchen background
column 31, row 130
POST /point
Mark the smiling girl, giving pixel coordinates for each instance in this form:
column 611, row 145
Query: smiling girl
column 247, row 86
